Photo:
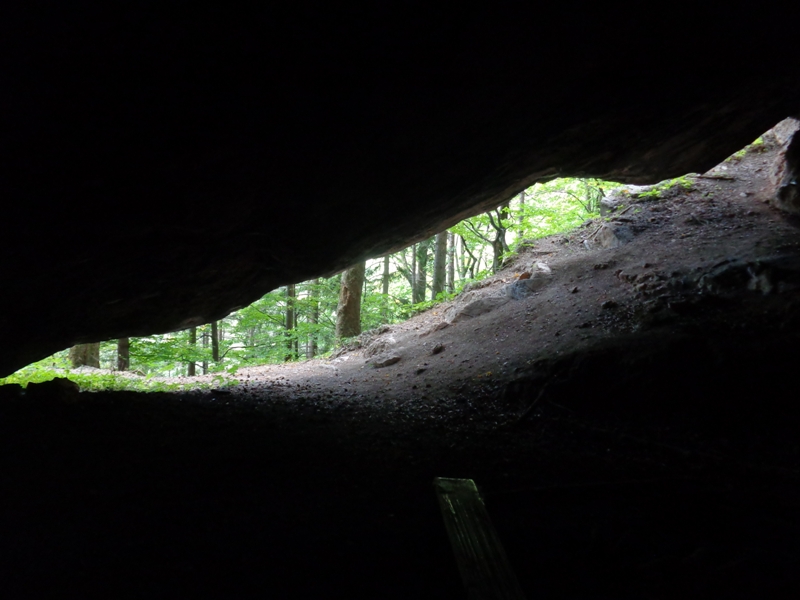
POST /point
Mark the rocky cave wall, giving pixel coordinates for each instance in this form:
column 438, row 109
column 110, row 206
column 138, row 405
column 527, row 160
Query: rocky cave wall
column 161, row 172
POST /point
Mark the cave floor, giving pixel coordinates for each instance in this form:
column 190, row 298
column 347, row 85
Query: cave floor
column 132, row 495
column 635, row 438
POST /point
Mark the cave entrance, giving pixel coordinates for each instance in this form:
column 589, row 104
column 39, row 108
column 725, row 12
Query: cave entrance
column 624, row 408
column 408, row 298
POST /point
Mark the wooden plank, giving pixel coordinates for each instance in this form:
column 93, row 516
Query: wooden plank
column 480, row 556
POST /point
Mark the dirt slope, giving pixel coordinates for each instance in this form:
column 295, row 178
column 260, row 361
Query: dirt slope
column 631, row 423
column 681, row 242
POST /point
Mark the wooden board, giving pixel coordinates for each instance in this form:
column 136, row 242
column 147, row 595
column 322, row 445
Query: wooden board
column 480, row 556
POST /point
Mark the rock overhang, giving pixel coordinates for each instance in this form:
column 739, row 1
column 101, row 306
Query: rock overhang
column 162, row 174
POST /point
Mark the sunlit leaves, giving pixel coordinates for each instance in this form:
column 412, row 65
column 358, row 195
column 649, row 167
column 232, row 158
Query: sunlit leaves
column 258, row 334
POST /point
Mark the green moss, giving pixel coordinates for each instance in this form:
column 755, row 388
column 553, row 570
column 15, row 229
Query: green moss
column 756, row 146
column 659, row 190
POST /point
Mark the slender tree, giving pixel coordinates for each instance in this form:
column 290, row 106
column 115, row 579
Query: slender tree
column 123, row 354
column 408, row 271
column 291, row 321
column 421, row 278
column 348, row 311
column 313, row 318
column 414, row 275
column 85, row 355
column 385, row 290
column 215, row 341
column 451, row 262
column 205, row 345
column 499, row 244
column 468, row 260
column 439, row 279
column 191, row 366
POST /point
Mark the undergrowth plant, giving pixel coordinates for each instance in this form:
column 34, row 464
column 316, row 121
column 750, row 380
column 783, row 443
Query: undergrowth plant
column 660, row 190
column 44, row 370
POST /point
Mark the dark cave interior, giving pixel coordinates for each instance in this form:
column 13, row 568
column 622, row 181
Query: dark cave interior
column 155, row 169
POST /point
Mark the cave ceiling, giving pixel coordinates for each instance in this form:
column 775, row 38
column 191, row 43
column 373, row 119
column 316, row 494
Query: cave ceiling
column 162, row 170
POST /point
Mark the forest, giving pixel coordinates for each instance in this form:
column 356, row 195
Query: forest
column 311, row 319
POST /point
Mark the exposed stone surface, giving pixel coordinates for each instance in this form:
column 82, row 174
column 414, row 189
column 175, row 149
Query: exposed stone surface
column 786, row 169
column 612, row 236
column 470, row 306
column 435, row 327
column 621, row 196
column 783, row 132
column 774, row 274
column 384, row 360
column 523, row 288
column 160, row 173
column 380, row 345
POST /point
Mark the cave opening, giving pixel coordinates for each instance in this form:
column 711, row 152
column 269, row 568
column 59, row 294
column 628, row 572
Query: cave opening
column 626, row 412
column 624, row 408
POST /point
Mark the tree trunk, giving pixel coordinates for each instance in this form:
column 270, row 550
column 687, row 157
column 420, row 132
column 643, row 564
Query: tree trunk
column 406, row 270
column 190, row 367
column 439, row 265
column 123, row 354
column 421, row 279
column 313, row 319
column 497, row 253
column 291, row 339
column 251, row 336
column 414, row 298
column 205, row 345
column 499, row 245
column 215, row 341
column 348, row 312
column 451, row 262
column 385, row 289
column 468, row 260
column 85, row 355
column 458, row 256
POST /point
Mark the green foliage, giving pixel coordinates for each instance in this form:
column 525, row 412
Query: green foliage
column 259, row 333
column 38, row 372
column 660, row 190
column 542, row 210
column 738, row 155
column 559, row 205
column 88, row 381
column 409, row 310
